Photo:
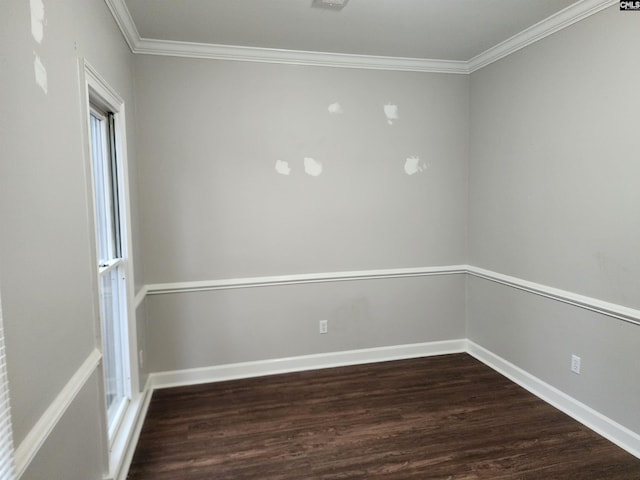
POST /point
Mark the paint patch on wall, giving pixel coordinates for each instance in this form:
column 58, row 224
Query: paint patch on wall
column 312, row 167
column 282, row 167
column 335, row 109
column 40, row 73
column 391, row 112
column 37, row 19
column 414, row 165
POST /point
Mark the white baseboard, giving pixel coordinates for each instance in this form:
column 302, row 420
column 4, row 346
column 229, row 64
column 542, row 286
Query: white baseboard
column 616, row 433
column 609, row 429
column 236, row 371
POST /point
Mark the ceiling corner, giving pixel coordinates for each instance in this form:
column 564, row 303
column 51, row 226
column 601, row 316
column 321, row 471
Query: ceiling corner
column 125, row 22
column 563, row 19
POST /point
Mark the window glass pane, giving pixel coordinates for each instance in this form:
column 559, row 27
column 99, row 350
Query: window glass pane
column 112, row 340
column 115, row 188
column 102, row 187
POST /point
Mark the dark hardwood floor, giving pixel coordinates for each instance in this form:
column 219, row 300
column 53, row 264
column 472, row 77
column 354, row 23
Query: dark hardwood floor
column 447, row 417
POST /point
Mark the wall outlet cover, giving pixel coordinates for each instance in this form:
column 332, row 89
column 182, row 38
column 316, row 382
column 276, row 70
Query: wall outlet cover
column 324, row 326
column 575, row 364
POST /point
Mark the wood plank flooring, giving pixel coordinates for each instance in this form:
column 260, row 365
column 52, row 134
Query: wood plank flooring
column 446, row 418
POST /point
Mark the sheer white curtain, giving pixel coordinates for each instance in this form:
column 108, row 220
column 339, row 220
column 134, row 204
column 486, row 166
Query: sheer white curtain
column 7, row 470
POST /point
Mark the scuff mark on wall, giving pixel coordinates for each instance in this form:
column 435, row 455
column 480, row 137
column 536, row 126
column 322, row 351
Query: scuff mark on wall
column 312, row 167
column 282, row 167
column 335, row 109
column 414, row 165
column 40, row 73
column 391, row 112
column 38, row 20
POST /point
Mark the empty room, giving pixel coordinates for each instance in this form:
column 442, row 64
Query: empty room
column 319, row 239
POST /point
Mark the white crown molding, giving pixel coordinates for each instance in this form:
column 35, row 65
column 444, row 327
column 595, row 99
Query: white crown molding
column 225, row 284
column 599, row 423
column 29, row 447
column 560, row 20
column 570, row 15
column 125, row 22
column 297, row 57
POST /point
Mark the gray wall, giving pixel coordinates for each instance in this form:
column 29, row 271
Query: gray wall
column 554, row 198
column 142, row 327
column 540, row 335
column 47, row 271
column 210, row 134
column 554, row 166
column 201, row 329
column 71, row 452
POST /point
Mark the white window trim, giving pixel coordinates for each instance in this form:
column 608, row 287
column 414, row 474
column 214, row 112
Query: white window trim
column 96, row 90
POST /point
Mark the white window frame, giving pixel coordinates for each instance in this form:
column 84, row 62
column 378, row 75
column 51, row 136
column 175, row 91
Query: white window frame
column 97, row 92
column 112, row 266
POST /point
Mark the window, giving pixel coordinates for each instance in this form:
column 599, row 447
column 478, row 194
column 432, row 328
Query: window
column 107, row 186
column 111, row 264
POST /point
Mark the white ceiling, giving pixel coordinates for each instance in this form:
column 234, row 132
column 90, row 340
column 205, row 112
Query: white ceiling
column 439, row 36
column 427, row 29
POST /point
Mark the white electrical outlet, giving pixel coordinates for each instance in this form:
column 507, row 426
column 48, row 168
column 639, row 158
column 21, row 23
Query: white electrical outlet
column 575, row 364
column 324, row 326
